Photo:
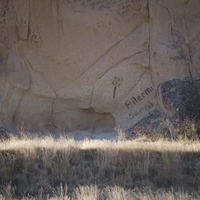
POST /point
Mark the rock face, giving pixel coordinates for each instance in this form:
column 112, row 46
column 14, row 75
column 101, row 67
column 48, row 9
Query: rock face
column 181, row 98
column 179, row 103
column 92, row 64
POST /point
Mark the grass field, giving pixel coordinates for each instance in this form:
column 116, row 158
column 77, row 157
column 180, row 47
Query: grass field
column 44, row 168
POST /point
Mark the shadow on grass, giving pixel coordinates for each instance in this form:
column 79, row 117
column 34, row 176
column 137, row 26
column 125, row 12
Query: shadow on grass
column 28, row 171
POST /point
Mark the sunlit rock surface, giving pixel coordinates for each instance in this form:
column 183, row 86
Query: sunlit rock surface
column 92, row 64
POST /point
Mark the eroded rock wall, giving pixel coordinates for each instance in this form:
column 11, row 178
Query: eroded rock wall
column 91, row 64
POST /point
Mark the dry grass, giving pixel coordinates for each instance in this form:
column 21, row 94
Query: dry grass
column 141, row 143
column 45, row 168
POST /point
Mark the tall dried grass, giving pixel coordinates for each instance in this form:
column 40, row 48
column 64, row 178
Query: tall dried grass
column 45, row 168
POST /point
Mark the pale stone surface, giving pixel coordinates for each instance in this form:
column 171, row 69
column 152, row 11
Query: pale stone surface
column 91, row 64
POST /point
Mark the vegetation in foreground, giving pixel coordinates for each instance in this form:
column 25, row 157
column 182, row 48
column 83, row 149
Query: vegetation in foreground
column 44, row 168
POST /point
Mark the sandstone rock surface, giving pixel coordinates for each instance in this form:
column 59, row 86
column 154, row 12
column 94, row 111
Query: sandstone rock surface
column 92, row 64
column 179, row 103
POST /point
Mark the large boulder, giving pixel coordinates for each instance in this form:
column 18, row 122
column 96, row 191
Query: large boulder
column 180, row 99
column 92, row 64
column 179, row 109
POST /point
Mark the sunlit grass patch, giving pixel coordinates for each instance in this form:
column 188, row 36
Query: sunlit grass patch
column 62, row 168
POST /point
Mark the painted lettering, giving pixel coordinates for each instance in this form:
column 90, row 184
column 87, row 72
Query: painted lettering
column 139, row 98
column 134, row 100
column 145, row 108
column 148, row 106
column 136, row 113
column 147, row 91
column 142, row 110
column 129, row 103
column 143, row 95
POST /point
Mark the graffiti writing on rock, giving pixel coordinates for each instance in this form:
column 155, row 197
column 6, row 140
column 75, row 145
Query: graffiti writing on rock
column 136, row 99
column 195, row 44
column 35, row 39
column 178, row 45
column 117, row 82
column 145, row 108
